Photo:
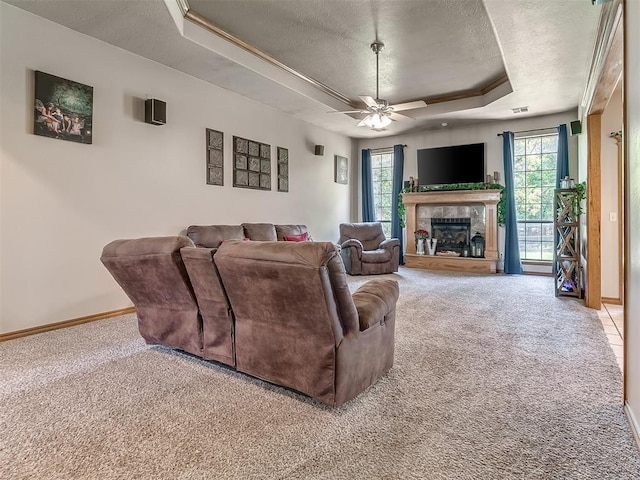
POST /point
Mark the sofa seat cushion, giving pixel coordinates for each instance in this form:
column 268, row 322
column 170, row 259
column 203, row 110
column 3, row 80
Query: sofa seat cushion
column 381, row 255
column 261, row 232
column 210, row 236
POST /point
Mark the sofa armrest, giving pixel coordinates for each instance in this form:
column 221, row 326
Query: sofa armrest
column 353, row 242
column 374, row 300
column 389, row 243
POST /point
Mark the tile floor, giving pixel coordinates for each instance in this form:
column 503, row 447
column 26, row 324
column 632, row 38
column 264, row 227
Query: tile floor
column 612, row 320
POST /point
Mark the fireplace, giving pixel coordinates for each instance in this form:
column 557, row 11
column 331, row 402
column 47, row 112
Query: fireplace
column 487, row 223
column 453, row 234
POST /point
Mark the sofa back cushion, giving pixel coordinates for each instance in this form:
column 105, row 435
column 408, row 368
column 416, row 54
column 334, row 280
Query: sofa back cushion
column 282, row 230
column 370, row 234
column 210, row 236
column 289, row 317
column 146, row 268
column 151, row 272
column 261, row 232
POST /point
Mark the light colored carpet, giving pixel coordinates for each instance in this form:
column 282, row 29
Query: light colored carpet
column 494, row 378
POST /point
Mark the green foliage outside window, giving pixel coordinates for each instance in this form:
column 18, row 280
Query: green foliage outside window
column 382, row 179
column 534, row 175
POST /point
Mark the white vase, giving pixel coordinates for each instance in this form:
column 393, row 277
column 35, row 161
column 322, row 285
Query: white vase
column 420, row 246
column 431, row 245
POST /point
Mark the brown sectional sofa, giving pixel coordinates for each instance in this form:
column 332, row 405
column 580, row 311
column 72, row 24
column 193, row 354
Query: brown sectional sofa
column 280, row 311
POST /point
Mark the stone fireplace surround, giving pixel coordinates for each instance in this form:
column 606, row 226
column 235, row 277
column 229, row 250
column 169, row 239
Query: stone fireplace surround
column 481, row 206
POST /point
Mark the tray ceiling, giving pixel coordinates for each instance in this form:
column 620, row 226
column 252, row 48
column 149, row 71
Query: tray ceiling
column 472, row 61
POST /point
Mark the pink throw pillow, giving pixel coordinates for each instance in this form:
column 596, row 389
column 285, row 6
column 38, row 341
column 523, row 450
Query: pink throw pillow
column 303, row 237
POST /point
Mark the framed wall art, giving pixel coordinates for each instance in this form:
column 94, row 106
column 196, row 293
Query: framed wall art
column 251, row 164
column 341, row 169
column 63, row 109
column 283, row 169
column 215, row 157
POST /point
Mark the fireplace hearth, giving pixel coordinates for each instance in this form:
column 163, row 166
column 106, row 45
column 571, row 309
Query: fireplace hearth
column 453, row 234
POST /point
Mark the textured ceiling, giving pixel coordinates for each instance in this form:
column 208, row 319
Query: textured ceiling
column 538, row 50
column 330, row 42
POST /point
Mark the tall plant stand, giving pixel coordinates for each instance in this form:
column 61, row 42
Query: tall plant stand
column 567, row 264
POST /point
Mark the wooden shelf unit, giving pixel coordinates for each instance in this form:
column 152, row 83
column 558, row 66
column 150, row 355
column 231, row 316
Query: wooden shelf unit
column 567, row 264
column 488, row 198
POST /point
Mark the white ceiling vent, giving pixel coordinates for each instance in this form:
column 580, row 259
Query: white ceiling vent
column 520, row 109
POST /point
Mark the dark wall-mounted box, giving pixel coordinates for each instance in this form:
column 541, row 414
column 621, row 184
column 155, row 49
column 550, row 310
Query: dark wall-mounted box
column 155, row 111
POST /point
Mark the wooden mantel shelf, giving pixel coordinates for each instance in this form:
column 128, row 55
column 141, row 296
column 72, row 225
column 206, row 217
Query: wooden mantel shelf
column 488, row 198
column 452, row 197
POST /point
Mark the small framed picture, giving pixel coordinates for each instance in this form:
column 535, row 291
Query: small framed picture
column 341, row 170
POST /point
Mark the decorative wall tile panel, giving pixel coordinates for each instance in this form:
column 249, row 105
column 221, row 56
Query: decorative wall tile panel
column 283, row 169
column 215, row 157
column 251, row 164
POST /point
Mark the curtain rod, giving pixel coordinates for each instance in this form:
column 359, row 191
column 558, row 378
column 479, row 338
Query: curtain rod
column 382, row 149
column 532, row 130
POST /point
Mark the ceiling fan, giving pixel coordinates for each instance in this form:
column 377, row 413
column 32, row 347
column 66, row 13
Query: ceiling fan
column 379, row 113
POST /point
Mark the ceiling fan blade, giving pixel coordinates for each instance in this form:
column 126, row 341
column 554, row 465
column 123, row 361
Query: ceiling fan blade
column 369, row 101
column 408, row 106
column 399, row 116
column 349, row 111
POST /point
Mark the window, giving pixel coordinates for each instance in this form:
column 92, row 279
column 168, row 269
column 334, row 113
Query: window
column 534, row 174
column 382, row 177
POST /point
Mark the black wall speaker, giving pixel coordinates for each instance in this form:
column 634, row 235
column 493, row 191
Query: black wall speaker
column 319, row 150
column 155, row 111
column 576, row 127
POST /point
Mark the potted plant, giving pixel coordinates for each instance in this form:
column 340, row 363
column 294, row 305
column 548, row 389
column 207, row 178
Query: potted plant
column 421, row 236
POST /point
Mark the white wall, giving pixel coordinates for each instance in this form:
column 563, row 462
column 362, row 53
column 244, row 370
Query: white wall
column 61, row 202
column 487, row 133
column 632, row 214
column 611, row 122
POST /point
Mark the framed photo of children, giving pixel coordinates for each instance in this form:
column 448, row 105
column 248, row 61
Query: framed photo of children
column 63, row 109
column 341, row 170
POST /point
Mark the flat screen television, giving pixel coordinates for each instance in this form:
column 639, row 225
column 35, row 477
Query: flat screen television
column 455, row 164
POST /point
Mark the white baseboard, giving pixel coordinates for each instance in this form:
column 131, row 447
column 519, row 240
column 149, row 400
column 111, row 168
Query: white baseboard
column 633, row 421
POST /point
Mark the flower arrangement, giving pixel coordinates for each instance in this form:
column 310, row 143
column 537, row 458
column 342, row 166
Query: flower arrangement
column 421, row 234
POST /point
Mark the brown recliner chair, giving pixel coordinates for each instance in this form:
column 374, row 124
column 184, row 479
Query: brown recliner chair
column 366, row 251
column 297, row 323
column 151, row 272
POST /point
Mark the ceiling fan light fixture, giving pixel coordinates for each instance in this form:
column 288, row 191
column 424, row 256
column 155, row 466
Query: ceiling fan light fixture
column 377, row 121
column 379, row 113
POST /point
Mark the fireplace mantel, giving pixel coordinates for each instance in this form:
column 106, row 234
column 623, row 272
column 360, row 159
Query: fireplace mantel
column 488, row 198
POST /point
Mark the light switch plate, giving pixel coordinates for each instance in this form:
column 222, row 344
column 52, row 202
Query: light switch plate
column 613, row 216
